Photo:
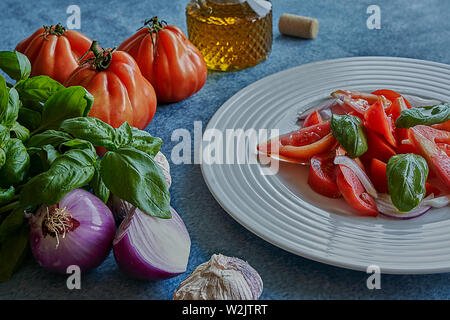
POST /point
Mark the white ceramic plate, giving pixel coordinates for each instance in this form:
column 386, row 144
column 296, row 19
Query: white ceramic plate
column 284, row 211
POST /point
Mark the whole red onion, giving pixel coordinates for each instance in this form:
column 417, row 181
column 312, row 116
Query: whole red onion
column 79, row 230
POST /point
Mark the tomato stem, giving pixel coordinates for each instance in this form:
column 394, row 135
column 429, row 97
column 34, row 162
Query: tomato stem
column 57, row 30
column 101, row 59
column 154, row 25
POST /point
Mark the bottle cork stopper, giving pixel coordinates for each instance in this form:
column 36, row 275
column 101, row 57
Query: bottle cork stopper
column 298, row 26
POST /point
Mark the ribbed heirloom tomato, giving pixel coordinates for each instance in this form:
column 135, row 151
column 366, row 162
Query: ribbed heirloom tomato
column 54, row 51
column 166, row 57
column 120, row 91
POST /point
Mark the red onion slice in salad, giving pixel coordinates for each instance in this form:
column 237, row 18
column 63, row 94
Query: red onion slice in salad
column 362, row 176
column 327, row 104
column 439, row 202
column 421, row 102
column 387, row 208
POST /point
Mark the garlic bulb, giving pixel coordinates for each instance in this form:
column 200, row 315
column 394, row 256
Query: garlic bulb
column 120, row 208
column 162, row 161
column 221, row 278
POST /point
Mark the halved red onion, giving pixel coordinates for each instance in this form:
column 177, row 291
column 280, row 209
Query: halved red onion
column 151, row 248
column 387, row 208
column 362, row 176
column 79, row 230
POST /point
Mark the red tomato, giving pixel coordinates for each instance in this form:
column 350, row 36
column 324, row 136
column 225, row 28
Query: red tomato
column 398, row 106
column 172, row 64
column 378, row 175
column 312, row 119
column 354, row 193
column 407, row 148
column 54, row 51
column 375, row 119
column 425, row 139
column 120, row 91
column 322, row 175
column 301, row 144
column 378, row 148
column 442, row 126
column 430, row 188
column 391, row 95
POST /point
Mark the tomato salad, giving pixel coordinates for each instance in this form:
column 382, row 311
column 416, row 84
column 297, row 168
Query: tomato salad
column 381, row 153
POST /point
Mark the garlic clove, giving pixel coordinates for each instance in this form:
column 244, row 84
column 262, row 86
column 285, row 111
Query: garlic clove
column 221, row 278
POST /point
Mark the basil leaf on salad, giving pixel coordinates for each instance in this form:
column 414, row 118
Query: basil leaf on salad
column 15, row 169
column 65, row 104
column 141, row 179
column 69, row 171
column 34, row 92
column 99, row 133
column 406, row 177
column 15, row 64
column 349, row 132
column 424, row 116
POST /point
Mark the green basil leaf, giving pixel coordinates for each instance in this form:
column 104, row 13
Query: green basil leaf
column 424, row 116
column 15, row 169
column 12, row 223
column 20, row 132
column 134, row 176
column 4, row 135
column 349, row 132
column 123, row 135
column 52, row 137
column 34, row 92
column 99, row 133
column 145, row 142
column 69, row 171
column 15, row 64
column 12, row 252
column 4, row 97
column 99, row 187
column 6, row 196
column 2, row 157
column 11, row 112
column 41, row 158
column 406, row 176
column 29, row 118
column 65, row 104
column 78, row 144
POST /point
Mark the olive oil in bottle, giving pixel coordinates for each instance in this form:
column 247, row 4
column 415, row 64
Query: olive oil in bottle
column 231, row 34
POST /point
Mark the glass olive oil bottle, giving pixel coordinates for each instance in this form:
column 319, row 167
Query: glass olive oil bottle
column 231, row 34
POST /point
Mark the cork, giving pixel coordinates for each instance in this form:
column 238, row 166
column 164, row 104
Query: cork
column 298, row 26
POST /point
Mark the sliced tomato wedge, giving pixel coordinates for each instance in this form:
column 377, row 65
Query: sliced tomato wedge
column 391, row 95
column 438, row 160
column 404, row 147
column 322, row 175
column 378, row 175
column 301, row 144
column 354, row 193
column 432, row 189
column 378, row 148
column 312, row 119
column 442, row 126
column 397, row 107
column 376, row 119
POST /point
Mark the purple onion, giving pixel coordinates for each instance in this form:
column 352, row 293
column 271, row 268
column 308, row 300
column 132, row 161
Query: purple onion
column 151, row 248
column 79, row 230
column 387, row 208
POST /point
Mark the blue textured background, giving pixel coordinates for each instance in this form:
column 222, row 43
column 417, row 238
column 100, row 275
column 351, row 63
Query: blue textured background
column 417, row 29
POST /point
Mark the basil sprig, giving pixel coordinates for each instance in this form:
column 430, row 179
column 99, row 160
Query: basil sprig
column 424, row 116
column 47, row 149
column 406, row 177
column 349, row 132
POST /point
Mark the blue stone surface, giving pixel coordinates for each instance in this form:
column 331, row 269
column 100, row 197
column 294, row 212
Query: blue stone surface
column 409, row 28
